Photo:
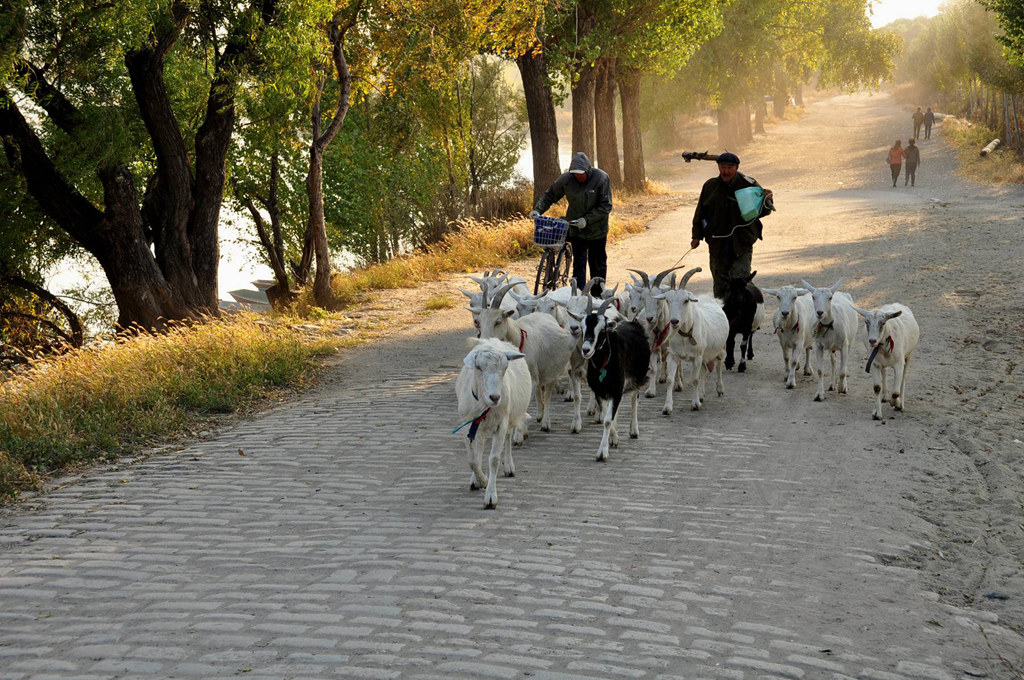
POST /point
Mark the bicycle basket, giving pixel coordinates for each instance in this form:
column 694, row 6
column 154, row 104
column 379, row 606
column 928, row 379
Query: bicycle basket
column 549, row 231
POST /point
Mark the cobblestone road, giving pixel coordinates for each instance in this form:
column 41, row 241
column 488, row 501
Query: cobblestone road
column 750, row 540
column 345, row 543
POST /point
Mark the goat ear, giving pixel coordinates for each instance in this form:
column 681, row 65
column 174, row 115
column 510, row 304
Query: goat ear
column 468, row 361
column 802, row 291
column 512, row 356
column 578, row 317
column 659, row 296
column 863, row 312
column 808, row 286
column 475, row 310
column 509, row 312
column 750, row 278
column 893, row 315
column 771, row 291
column 467, row 294
column 838, row 283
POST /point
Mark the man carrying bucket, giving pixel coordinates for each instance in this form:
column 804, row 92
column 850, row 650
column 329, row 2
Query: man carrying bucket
column 728, row 217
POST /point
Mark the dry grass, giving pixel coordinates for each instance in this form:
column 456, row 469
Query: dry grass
column 100, row 401
column 1003, row 166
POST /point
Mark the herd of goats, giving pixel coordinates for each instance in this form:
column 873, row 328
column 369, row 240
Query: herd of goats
column 626, row 341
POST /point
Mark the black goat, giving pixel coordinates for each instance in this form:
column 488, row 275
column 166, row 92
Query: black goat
column 744, row 307
column 618, row 358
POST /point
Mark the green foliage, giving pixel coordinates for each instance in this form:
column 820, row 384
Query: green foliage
column 1011, row 19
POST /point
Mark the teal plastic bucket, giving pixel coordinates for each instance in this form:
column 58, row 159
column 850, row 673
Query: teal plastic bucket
column 750, row 200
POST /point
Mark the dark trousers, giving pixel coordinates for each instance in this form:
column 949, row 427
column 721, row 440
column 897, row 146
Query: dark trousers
column 895, row 167
column 927, row 130
column 910, row 174
column 725, row 264
column 592, row 251
column 917, row 130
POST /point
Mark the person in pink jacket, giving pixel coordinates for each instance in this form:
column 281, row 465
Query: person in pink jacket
column 895, row 159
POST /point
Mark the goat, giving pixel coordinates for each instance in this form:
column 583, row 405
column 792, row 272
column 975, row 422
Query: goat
column 490, row 281
column 701, row 330
column 892, row 337
column 493, row 390
column 547, row 347
column 576, row 309
column 794, row 320
column 653, row 317
column 744, row 307
column 834, row 331
column 618, row 358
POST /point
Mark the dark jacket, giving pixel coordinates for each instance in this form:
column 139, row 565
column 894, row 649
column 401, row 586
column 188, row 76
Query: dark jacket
column 591, row 200
column 718, row 213
column 913, row 155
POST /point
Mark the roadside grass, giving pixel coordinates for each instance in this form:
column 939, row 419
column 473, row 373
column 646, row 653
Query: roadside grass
column 439, row 302
column 999, row 167
column 106, row 399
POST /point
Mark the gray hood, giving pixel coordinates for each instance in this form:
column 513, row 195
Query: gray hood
column 580, row 162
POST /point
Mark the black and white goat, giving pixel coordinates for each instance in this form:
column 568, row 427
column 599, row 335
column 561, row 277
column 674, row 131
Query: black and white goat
column 744, row 307
column 618, row 358
column 652, row 315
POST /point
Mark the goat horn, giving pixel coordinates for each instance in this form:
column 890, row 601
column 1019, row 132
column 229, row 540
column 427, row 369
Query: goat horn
column 808, row 286
column 643, row 277
column 467, row 293
column 662, row 275
column 611, row 293
column 499, row 294
column 687, row 275
column 590, row 304
column 604, row 305
column 479, row 281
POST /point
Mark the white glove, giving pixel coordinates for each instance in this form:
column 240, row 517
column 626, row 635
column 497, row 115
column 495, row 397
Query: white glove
column 534, row 214
column 579, row 224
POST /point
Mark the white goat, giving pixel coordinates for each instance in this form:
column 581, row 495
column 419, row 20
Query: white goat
column 835, row 331
column 700, row 331
column 794, row 321
column 653, row 317
column 493, row 389
column 491, row 281
column 547, row 347
column 892, row 337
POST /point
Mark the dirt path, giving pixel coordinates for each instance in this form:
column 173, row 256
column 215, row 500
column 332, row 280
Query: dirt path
column 949, row 470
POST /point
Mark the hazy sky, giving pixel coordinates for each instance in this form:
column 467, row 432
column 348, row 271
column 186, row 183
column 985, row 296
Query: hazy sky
column 885, row 11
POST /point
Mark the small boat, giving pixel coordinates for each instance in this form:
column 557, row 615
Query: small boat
column 256, row 300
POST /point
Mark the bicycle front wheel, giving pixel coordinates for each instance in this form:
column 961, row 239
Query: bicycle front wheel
column 563, row 266
column 542, row 269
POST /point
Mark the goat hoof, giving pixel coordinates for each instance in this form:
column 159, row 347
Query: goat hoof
column 790, row 386
column 876, row 416
column 742, row 368
column 818, row 397
column 490, row 506
column 634, row 435
column 545, row 428
column 666, row 411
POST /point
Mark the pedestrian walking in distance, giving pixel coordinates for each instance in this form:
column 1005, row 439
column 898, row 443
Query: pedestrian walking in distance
column 895, row 160
column 929, row 120
column 918, row 119
column 589, row 193
column 913, row 156
column 719, row 221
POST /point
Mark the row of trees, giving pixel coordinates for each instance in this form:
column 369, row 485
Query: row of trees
column 368, row 125
column 969, row 61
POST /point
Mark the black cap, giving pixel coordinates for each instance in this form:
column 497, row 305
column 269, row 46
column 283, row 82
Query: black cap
column 729, row 158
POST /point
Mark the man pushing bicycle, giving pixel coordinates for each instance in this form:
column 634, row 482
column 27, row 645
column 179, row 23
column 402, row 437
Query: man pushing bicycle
column 589, row 194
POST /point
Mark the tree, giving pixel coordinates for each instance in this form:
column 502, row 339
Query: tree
column 136, row 108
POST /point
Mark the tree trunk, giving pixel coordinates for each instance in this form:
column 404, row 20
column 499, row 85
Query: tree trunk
column 604, row 121
column 540, row 110
column 799, row 95
column 160, row 254
column 316, row 230
column 632, row 141
column 779, row 101
column 583, row 111
column 760, row 113
column 725, row 127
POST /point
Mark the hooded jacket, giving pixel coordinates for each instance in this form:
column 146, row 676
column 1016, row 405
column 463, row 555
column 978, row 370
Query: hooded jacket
column 591, row 200
column 717, row 218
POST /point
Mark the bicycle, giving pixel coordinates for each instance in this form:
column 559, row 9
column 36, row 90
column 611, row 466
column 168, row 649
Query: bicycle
column 556, row 261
